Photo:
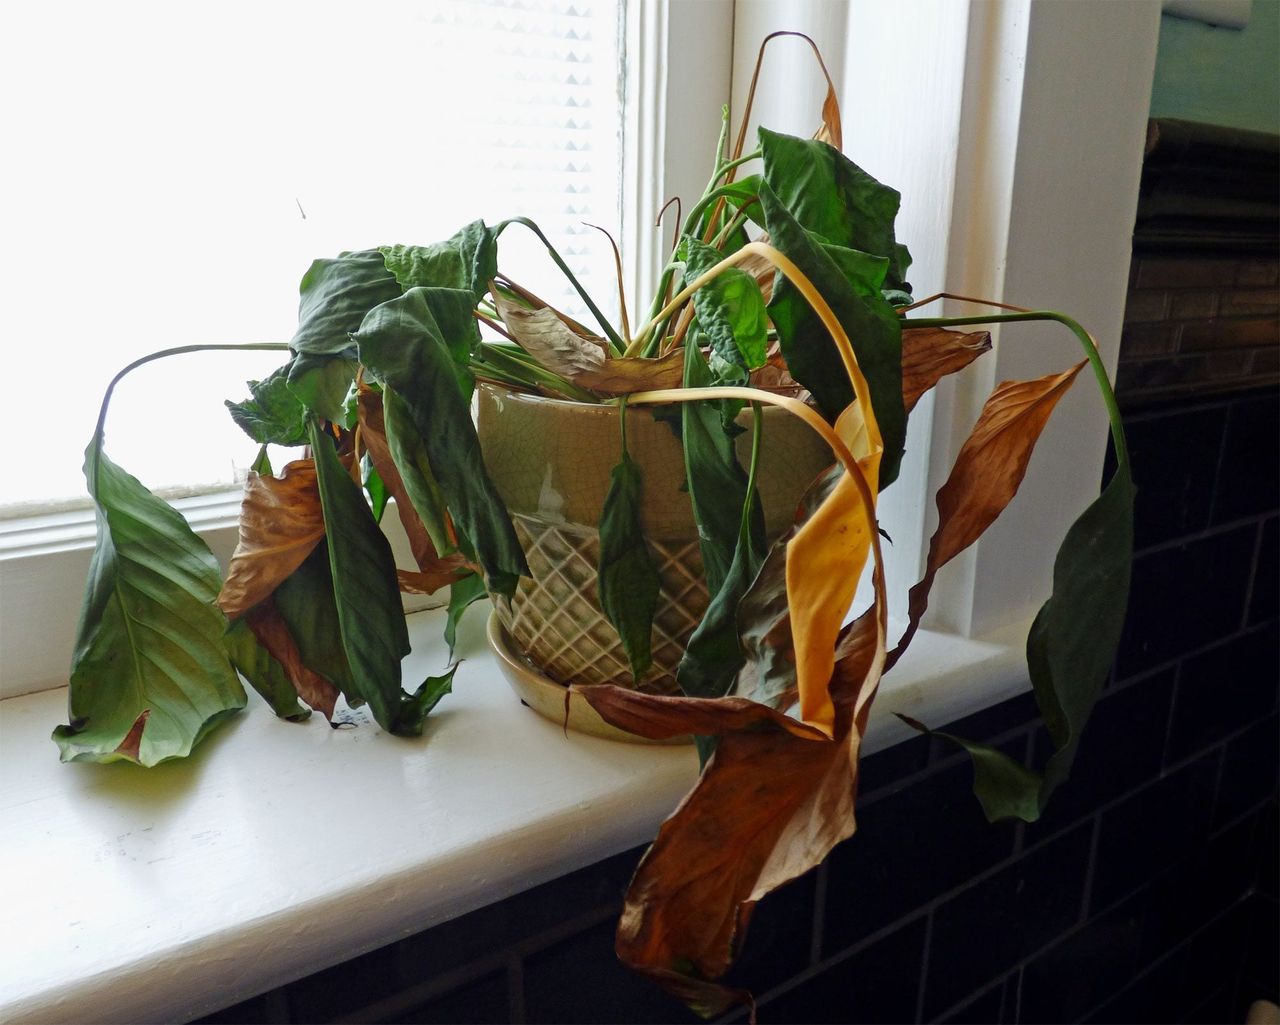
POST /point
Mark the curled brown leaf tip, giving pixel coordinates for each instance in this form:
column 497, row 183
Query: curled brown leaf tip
column 930, row 353
column 131, row 745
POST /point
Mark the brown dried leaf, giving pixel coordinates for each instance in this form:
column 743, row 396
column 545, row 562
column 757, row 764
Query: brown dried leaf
column 627, row 374
column 930, row 353
column 551, row 341
column 280, row 523
column 829, row 131
column 986, row 476
column 660, row 717
column 769, row 806
column 272, row 632
column 430, row 581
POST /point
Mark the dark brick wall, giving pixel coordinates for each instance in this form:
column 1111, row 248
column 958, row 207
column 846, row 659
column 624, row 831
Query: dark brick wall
column 1146, row 894
column 1199, row 322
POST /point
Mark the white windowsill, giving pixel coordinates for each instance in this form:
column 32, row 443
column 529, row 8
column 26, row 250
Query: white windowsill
column 279, row 849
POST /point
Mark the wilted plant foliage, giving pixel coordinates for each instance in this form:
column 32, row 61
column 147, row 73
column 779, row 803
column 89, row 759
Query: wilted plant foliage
column 787, row 288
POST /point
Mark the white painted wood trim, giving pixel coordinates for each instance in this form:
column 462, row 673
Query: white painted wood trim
column 1051, row 142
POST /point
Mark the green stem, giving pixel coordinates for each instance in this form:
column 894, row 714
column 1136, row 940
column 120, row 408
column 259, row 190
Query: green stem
column 615, row 340
column 180, row 350
column 1086, row 342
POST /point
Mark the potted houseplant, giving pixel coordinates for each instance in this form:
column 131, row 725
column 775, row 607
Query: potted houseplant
column 783, row 322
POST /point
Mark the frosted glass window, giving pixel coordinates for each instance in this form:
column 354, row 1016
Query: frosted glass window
column 172, row 168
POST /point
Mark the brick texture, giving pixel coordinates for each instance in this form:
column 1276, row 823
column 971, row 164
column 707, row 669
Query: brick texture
column 1197, row 324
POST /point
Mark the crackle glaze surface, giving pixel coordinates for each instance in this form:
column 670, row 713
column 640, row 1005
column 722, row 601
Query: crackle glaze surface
column 550, row 461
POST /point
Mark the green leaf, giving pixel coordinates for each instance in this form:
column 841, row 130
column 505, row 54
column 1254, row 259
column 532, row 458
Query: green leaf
column 1070, row 649
column 468, row 260
column 714, row 655
column 401, row 344
column 627, row 578
column 370, row 615
column 1075, row 635
column 150, row 677
column 410, row 457
column 262, row 463
column 1005, row 788
column 306, row 603
column 273, row 414
column 462, row 595
column 264, row 673
column 717, row 482
column 373, row 484
column 322, row 383
column 731, row 313
column 415, row 708
column 335, row 296
column 874, row 330
column 831, row 196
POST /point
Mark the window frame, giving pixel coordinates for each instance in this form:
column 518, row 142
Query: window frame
column 1014, row 74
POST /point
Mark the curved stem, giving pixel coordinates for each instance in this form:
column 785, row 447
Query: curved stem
column 1086, row 342
column 180, row 350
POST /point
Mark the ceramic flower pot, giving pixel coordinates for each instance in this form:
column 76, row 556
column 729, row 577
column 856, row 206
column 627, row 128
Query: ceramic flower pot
column 550, row 461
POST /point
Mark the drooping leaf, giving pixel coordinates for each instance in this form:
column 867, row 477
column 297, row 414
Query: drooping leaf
column 717, row 481
column 335, row 296
column 830, row 196
column 280, row 523
column 626, row 374
column 987, row 473
column 825, row 562
column 374, row 434
column 272, row 633
column 273, row 414
column 930, row 353
column 731, row 313
column 375, row 487
column 321, row 384
column 266, row 675
column 428, row 581
column 370, row 616
column 150, row 676
column 1073, row 640
column 462, row 595
column 874, row 330
column 764, row 615
column 627, row 578
column 1005, row 788
column 713, row 655
column 468, row 260
column 417, row 706
column 262, row 463
column 306, row 605
column 409, row 455
column 741, row 832
column 400, row 343
column 551, row 341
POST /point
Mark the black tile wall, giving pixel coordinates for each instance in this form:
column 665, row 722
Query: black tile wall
column 1146, row 893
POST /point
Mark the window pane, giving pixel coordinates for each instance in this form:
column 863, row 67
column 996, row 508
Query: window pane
column 175, row 168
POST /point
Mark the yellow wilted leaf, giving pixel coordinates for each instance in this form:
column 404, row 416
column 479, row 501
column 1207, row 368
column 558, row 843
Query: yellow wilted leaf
column 825, row 561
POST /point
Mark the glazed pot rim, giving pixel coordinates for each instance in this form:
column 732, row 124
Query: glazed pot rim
column 608, row 406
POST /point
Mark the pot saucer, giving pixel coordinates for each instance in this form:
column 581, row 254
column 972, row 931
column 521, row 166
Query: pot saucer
column 547, row 697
